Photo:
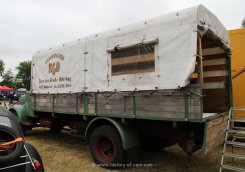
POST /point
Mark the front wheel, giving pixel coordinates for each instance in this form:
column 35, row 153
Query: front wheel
column 106, row 147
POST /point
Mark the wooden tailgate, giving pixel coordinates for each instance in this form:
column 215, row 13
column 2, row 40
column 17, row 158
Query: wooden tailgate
column 215, row 132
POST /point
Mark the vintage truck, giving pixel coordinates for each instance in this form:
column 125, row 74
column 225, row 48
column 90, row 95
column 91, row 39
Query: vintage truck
column 151, row 84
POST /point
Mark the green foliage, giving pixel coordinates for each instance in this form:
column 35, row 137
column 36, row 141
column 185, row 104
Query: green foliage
column 2, row 65
column 243, row 23
column 8, row 78
column 24, row 73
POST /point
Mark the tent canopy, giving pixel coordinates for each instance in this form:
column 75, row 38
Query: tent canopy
column 5, row 88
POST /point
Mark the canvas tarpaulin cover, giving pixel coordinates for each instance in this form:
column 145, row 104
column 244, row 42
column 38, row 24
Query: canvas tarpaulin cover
column 108, row 61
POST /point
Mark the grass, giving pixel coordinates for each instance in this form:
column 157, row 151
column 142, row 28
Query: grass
column 65, row 152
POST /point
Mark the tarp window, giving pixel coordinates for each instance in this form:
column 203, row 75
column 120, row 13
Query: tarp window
column 133, row 60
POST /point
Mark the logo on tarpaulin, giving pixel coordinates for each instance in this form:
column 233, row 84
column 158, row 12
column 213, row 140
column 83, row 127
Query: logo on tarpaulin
column 54, row 67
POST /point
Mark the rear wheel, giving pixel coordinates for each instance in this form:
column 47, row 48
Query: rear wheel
column 106, row 147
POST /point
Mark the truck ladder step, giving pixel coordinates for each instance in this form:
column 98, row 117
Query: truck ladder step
column 237, row 120
column 235, row 143
column 234, row 155
column 236, row 131
column 234, row 136
column 237, row 108
column 233, row 168
column 238, row 128
column 239, row 137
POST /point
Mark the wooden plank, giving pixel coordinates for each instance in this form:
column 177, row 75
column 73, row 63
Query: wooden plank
column 214, row 62
column 171, row 114
column 133, row 66
column 215, row 79
column 160, row 101
column 111, row 97
column 65, row 106
column 114, row 102
column 91, row 110
column 218, row 93
column 215, row 133
column 200, row 60
column 64, row 110
column 133, row 72
column 115, row 107
column 221, row 103
column 159, row 93
column 157, row 108
column 214, row 67
column 215, row 107
column 196, row 109
column 81, row 110
column 44, row 100
column 46, row 96
column 214, row 85
column 211, row 44
column 114, row 112
column 214, row 56
column 91, row 100
column 194, row 115
column 44, row 108
column 148, row 104
column 215, row 104
column 44, row 104
column 64, row 102
column 215, row 73
column 214, row 50
column 133, row 59
column 194, row 102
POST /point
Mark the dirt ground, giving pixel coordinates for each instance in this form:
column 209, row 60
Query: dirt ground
column 65, row 152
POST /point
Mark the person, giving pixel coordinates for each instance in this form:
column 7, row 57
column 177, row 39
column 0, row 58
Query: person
column 11, row 97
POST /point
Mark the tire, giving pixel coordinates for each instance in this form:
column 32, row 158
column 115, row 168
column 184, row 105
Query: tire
column 106, row 147
column 34, row 154
column 8, row 134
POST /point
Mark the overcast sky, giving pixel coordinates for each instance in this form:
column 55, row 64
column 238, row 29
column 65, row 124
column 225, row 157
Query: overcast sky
column 27, row 26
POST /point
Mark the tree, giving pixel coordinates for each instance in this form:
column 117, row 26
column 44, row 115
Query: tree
column 8, row 78
column 243, row 23
column 24, row 73
column 2, row 65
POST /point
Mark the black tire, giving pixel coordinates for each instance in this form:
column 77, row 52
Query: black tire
column 34, row 154
column 106, row 147
column 8, row 134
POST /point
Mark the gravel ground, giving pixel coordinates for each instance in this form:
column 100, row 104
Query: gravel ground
column 65, row 152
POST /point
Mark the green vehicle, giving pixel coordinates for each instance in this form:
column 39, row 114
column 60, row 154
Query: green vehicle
column 150, row 85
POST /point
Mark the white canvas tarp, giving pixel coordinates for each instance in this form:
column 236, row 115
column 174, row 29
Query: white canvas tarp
column 84, row 65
